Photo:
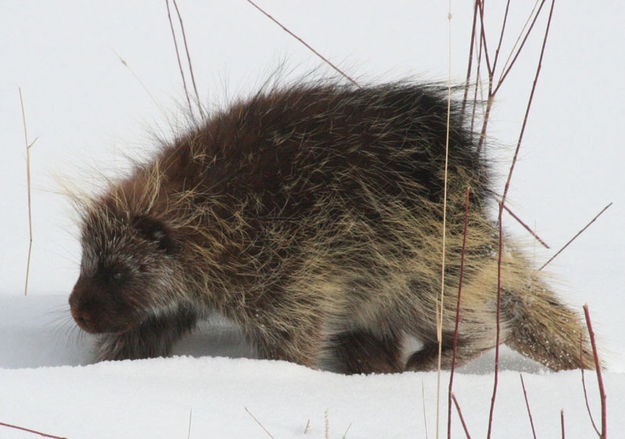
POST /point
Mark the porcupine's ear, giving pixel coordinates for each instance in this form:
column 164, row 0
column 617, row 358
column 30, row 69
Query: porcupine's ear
column 154, row 230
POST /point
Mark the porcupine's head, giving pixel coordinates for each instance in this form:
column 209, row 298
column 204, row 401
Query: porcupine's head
column 127, row 271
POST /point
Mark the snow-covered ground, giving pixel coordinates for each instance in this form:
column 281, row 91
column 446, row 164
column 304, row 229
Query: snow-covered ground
column 87, row 109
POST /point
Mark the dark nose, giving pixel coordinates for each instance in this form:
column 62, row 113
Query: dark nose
column 83, row 319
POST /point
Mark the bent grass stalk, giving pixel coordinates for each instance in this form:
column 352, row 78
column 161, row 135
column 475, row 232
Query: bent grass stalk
column 175, row 40
column 29, row 192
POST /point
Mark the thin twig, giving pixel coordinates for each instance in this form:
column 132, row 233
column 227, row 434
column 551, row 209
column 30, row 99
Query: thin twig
column 28, row 189
column 595, row 353
column 307, row 427
column 258, row 422
column 527, row 404
column 186, row 48
column 562, row 423
column 483, row 38
column 575, row 237
column 31, row 431
column 581, row 367
column 470, row 62
column 520, row 221
column 509, row 65
column 464, row 425
column 453, row 358
column 308, row 46
column 173, row 35
column 501, row 34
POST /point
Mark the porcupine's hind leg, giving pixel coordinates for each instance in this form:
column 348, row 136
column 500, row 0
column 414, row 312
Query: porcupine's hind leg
column 427, row 358
column 476, row 333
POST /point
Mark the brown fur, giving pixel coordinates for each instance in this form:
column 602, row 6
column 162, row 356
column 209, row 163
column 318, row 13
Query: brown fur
column 312, row 217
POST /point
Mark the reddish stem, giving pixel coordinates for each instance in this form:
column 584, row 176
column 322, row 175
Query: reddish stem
column 581, row 366
column 534, row 234
column 453, row 358
column 529, row 104
column 470, row 63
column 527, row 404
column 575, row 237
column 30, row 431
column 603, row 434
column 508, row 67
column 562, row 423
column 496, row 380
column 501, row 34
column 464, row 425
column 308, row 46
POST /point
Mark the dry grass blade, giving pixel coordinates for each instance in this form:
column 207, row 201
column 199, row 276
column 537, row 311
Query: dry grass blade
column 464, row 425
column 173, row 35
column 259, row 423
column 190, row 419
column 520, row 221
column 346, row 431
column 308, row 46
column 591, row 333
column 327, row 425
column 28, row 185
column 461, row 277
column 575, row 237
column 186, row 49
column 145, row 88
column 28, row 430
column 441, row 304
column 527, row 404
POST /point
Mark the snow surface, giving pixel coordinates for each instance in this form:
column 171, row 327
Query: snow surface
column 87, row 110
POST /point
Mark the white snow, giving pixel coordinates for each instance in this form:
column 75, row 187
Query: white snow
column 87, row 110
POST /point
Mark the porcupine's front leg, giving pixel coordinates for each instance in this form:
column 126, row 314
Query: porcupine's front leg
column 363, row 352
column 152, row 338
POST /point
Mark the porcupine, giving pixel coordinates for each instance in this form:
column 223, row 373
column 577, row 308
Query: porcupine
column 311, row 216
